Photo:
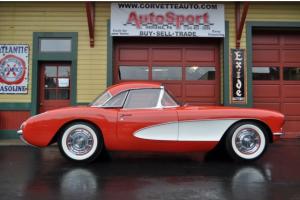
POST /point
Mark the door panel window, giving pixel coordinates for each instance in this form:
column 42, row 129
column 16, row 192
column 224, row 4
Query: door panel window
column 166, row 73
column 291, row 73
column 146, row 98
column 57, row 82
column 200, row 73
column 133, row 72
column 265, row 73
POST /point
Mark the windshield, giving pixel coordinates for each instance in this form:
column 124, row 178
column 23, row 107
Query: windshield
column 101, row 99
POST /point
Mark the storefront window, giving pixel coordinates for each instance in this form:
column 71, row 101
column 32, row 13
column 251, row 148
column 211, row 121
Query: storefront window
column 291, row 73
column 55, row 45
column 265, row 73
column 133, row 72
column 200, row 73
column 166, row 73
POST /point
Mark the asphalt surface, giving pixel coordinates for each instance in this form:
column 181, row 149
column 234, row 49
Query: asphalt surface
column 29, row 173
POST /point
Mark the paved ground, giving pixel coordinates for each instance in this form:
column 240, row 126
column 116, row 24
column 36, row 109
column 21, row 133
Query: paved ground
column 29, row 173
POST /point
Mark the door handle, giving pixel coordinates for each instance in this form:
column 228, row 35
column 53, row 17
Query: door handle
column 125, row 115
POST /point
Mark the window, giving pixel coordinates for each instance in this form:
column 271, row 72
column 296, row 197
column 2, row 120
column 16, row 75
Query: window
column 265, row 73
column 166, row 73
column 102, row 99
column 145, row 98
column 291, row 73
column 200, row 73
column 133, row 72
column 167, row 100
column 57, row 84
column 117, row 101
column 55, row 45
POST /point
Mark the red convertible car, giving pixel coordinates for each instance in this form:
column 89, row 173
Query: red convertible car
column 140, row 116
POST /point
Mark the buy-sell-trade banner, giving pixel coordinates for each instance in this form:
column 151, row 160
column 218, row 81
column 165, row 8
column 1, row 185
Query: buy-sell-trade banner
column 14, row 68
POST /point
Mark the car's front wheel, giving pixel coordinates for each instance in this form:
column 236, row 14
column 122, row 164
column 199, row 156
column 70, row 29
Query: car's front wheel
column 246, row 141
column 80, row 142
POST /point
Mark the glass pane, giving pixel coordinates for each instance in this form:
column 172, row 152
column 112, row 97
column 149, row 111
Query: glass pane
column 51, row 71
column 146, row 98
column 55, row 45
column 265, row 73
column 200, row 73
column 117, row 101
column 291, row 73
column 166, row 73
column 133, row 72
column 50, row 82
column 167, row 100
column 101, row 99
column 50, row 94
column 63, row 71
column 63, row 94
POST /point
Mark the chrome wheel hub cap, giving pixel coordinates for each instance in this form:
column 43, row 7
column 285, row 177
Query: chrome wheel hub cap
column 247, row 141
column 80, row 141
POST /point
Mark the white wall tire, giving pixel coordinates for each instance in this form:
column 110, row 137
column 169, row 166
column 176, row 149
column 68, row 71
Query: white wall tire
column 80, row 142
column 246, row 141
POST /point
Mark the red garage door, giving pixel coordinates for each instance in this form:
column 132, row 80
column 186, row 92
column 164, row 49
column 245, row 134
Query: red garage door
column 276, row 75
column 189, row 69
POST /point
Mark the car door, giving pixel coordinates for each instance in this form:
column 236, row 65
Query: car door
column 143, row 122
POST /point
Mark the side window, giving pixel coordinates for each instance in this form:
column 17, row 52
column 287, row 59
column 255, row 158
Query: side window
column 167, row 100
column 145, row 98
column 117, row 101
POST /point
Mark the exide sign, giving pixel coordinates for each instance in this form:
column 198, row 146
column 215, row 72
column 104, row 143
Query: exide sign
column 167, row 19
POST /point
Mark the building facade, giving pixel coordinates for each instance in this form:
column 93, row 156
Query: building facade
column 55, row 54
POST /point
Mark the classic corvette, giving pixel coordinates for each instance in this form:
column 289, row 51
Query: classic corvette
column 140, row 116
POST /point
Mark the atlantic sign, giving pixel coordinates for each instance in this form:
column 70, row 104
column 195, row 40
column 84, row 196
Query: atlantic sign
column 14, row 69
column 167, row 19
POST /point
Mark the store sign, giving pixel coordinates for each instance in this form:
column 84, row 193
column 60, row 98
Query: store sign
column 167, row 19
column 238, row 76
column 14, row 69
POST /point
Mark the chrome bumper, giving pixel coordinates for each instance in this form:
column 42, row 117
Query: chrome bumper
column 278, row 134
column 20, row 133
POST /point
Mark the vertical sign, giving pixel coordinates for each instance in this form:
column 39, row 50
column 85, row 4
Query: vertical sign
column 14, row 68
column 238, row 77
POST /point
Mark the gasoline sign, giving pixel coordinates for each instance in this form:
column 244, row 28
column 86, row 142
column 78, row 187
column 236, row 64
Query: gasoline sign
column 14, row 69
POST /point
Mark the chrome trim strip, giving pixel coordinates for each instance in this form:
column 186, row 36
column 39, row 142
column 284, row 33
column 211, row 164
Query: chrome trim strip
column 278, row 134
column 20, row 132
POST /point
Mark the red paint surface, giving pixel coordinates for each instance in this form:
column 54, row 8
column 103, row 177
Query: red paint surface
column 278, row 49
column 118, row 125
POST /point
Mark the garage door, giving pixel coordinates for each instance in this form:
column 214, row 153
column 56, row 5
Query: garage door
column 276, row 75
column 189, row 69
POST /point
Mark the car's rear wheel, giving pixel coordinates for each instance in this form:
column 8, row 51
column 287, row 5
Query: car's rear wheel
column 246, row 141
column 80, row 142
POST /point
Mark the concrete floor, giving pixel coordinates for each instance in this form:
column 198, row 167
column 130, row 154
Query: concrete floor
column 29, row 173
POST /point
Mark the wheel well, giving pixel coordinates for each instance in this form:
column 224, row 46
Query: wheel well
column 264, row 125
column 54, row 139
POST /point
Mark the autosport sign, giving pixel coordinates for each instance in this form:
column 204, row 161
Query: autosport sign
column 167, row 19
column 14, row 68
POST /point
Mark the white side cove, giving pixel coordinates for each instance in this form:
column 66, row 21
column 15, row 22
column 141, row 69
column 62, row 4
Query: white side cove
column 201, row 130
column 168, row 131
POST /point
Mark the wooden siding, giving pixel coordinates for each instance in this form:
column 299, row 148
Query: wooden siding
column 20, row 19
column 12, row 120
